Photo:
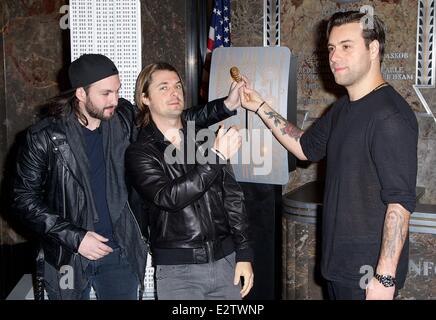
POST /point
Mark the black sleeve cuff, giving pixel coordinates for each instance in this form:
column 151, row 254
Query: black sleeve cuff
column 244, row 255
column 227, row 110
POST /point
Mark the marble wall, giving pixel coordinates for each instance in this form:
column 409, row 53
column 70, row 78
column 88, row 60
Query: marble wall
column 247, row 23
column 421, row 279
column 33, row 51
column 32, row 56
column 302, row 278
column 164, row 32
column 3, row 140
column 427, row 150
column 316, row 88
column 167, row 35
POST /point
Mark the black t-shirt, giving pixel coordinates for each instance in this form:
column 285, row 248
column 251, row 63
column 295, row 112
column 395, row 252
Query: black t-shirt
column 371, row 149
column 97, row 178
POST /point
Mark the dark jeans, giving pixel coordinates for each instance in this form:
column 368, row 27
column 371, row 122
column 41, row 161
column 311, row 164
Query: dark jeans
column 111, row 277
column 339, row 291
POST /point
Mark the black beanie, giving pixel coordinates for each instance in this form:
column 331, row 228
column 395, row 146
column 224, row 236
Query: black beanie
column 90, row 68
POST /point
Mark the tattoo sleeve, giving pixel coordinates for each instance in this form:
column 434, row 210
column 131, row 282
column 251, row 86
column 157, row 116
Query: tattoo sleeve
column 394, row 235
column 285, row 126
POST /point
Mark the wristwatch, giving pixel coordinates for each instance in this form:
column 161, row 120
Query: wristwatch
column 386, row 280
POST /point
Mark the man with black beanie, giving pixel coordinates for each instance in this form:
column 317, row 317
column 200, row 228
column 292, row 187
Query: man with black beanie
column 70, row 186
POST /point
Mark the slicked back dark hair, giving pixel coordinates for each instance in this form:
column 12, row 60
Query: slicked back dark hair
column 373, row 27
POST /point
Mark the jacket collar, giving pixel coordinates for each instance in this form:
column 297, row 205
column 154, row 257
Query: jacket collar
column 76, row 143
column 152, row 132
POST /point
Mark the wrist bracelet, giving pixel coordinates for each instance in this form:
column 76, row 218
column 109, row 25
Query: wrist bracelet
column 259, row 107
column 219, row 154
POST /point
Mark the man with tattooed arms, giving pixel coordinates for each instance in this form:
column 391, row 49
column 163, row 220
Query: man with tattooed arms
column 370, row 140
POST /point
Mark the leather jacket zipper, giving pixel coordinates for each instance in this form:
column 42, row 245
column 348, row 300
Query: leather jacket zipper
column 141, row 276
column 64, row 211
column 165, row 223
column 64, row 207
column 209, row 248
column 63, row 193
column 137, row 224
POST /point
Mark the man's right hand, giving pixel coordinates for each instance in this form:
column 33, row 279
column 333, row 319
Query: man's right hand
column 250, row 99
column 232, row 102
column 228, row 143
column 286, row 133
column 92, row 246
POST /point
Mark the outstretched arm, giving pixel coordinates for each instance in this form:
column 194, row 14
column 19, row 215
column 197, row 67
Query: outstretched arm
column 215, row 110
column 286, row 133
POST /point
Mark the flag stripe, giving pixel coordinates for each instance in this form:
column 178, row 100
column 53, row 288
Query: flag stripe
column 219, row 32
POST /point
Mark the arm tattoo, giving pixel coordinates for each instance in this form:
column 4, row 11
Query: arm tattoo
column 394, row 234
column 288, row 129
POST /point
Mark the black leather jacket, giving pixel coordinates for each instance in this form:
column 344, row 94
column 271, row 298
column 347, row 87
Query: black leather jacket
column 53, row 197
column 197, row 211
column 52, row 194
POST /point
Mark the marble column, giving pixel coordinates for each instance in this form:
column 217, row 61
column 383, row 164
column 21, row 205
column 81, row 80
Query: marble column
column 32, row 53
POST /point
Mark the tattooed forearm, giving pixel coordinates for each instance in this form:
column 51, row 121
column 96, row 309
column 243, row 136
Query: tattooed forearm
column 278, row 119
column 394, row 235
column 292, row 131
column 288, row 128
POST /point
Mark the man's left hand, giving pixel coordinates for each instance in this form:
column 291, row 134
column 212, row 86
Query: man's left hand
column 376, row 291
column 244, row 270
column 233, row 101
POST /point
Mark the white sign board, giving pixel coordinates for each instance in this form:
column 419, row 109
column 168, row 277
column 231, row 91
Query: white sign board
column 261, row 159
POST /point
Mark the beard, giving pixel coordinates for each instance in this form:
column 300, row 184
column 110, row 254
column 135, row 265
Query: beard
column 97, row 113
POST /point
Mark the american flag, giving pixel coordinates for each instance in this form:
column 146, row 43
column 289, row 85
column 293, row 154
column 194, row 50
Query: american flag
column 220, row 25
column 219, row 36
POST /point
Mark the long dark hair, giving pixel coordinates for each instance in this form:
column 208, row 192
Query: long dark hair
column 64, row 104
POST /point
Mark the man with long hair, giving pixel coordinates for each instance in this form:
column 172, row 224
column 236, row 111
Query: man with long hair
column 198, row 223
column 70, row 186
